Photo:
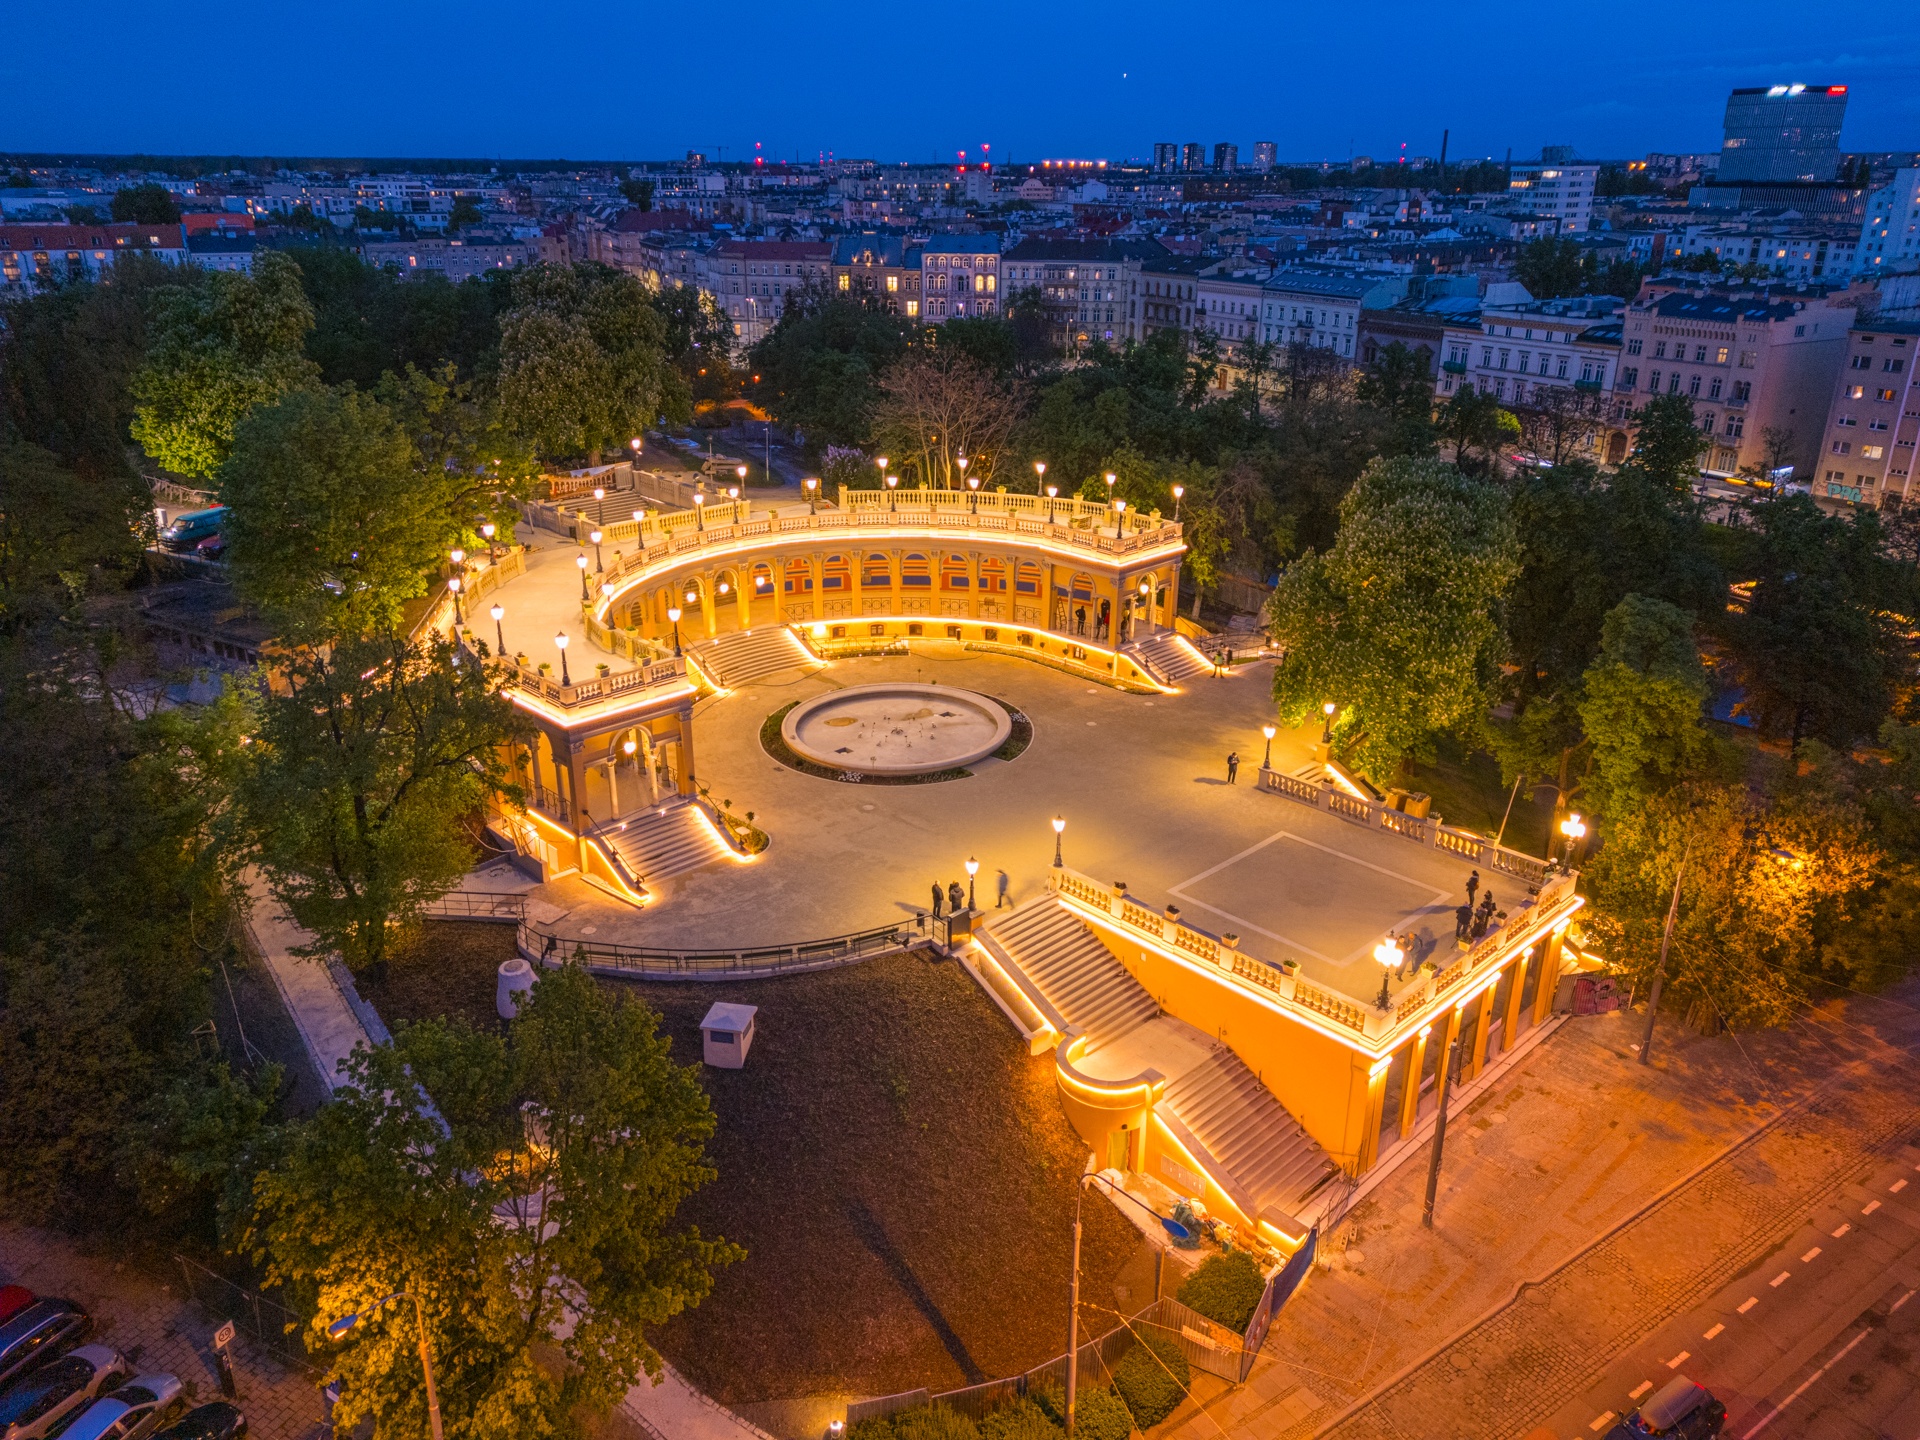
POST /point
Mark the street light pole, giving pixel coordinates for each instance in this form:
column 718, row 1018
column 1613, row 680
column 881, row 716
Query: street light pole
column 1119, row 515
column 499, row 635
column 1268, row 731
column 1059, row 827
column 340, row 1327
column 1447, row 1069
column 973, row 869
column 1660, row 965
column 673, row 614
column 561, row 641
column 599, row 565
column 581, row 561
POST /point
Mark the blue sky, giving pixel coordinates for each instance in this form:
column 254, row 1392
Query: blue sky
column 923, row 81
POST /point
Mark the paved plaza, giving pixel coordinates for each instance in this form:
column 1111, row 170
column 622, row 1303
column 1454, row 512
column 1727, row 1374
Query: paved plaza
column 1140, row 780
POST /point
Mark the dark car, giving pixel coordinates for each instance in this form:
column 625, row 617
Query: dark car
column 215, row 1421
column 185, row 532
column 1680, row 1409
column 34, row 1405
column 43, row 1331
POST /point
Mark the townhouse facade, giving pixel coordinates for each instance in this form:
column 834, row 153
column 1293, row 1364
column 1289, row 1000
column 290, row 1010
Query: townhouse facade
column 34, row 256
column 1227, row 304
column 1167, row 295
column 1528, row 351
column 959, row 276
column 751, row 279
column 1751, row 364
column 880, row 269
column 457, row 258
column 1086, row 288
column 1867, row 451
column 1321, row 309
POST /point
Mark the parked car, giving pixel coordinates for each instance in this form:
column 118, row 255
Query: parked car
column 185, row 532
column 215, row 1421
column 13, row 1299
column 43, row 1331
column 213, row 547
column 35, row 1405
column 136, row 1409
column 1680, row 1408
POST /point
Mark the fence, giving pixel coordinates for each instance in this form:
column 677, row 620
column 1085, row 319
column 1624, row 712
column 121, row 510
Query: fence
column 477, row 905
column 276, row 1328
column 543, row 945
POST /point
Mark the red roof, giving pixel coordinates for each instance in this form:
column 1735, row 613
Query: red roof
column 200, row 221
column 88, row 237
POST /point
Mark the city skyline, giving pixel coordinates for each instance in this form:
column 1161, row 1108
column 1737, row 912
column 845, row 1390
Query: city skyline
column 418, row 85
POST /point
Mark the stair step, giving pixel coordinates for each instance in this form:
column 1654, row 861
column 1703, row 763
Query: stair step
column 661, row 847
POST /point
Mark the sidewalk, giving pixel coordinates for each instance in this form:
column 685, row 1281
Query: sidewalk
column 316, row 993
column 1577, row 1139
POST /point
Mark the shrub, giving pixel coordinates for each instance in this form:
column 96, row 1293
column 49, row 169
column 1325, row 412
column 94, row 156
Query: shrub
column 933, row 1422
column 877, row 1427
column 1152, row 1379
column 1100, row 1415
column 1022, row 1420
column 1225, row 1289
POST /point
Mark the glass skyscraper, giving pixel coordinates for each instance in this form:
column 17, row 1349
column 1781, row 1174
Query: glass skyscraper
column 1780, row 133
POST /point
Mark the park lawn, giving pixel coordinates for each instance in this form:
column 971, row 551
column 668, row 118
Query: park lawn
column 896, row 1165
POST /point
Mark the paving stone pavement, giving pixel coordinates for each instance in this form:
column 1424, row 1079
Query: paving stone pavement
column 1521, row 1363
column 145, row 1314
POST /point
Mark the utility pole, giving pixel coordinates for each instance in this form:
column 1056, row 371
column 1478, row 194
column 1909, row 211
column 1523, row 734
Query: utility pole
column 1660, row 965
column 1443, row 160
column 1073, row 1314
column 1447, row 1077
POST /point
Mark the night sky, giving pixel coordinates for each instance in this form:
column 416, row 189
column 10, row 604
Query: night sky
column 920, row 82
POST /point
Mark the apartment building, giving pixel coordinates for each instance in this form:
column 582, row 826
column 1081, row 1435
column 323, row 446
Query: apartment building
column 1519, row 348
column 880, row 269
column 33, row 256
column 456, row 258
column 1890, row 235
column 1867, row 452
column 1563, row 191
column 1088, row 288
column 1793, row 249
column 1321, row 308
column 1227, row 300
column 752, row 278
column 959, row 276
column 1750, row 362
column 1165, row 295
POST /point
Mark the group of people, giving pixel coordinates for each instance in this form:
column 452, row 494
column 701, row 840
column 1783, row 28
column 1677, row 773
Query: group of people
column 1470, row 921
column 1102, row 622
column 954, row 897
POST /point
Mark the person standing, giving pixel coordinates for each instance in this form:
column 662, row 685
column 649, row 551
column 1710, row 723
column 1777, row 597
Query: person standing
column 1233, row 766
column 938, row 895
column 1080, row 620
column 956, row 898
column 1000, row 890
column 1473, row 884
column 1462, row 921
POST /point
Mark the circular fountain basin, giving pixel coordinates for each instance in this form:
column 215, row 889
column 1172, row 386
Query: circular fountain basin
column 896, row 729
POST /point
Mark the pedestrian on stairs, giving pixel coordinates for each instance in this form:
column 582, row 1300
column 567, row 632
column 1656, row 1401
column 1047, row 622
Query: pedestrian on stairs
column 1233, row 767
column 1000, row 890
column 938, row 895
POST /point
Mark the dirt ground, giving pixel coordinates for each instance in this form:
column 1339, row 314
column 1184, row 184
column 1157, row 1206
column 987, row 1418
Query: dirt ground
column 895, row 1164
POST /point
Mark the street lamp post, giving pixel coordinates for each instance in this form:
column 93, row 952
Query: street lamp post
column 673, row 614
column 488, row 531
column 1326, row 730
column 892, row 480
column 595, row 536
column 1119, row 515
column 453, row 586
column 1040, row 469
column 1449, row 1076
column 499, row 635
column 741, row 471
column 962, row 462
column 581, row 561
column 811, row 485
column 561, row 641
column 699, row 510
column 599, row 493
column 338, row 1329
column 880, row 462
column 1575, row 829
column 1268, row 731
column 1178, row 492
column 973, row 494
column 973, row 869
column 1059, row 828
column 1389, row 954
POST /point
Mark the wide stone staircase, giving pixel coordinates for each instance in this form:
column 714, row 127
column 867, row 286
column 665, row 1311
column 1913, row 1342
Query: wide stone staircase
column 1168, row 657
column 739, row 656
column 662, row 844
column 1259, row 1151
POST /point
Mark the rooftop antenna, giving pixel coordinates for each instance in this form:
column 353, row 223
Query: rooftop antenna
column 1444, row 134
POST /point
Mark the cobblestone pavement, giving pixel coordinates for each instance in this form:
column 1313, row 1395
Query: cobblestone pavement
column 144, row 1313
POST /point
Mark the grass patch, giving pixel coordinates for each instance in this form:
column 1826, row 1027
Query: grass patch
column 1022, row 733
column 1467, row 790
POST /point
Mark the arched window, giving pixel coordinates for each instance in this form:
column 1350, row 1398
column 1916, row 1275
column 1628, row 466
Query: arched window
column 762, row 581
column 876, row 570
column 953, row 573
column 835, row 573
column 798, row 576
column 1082, row 587
column 915, row 572
column 1026, row 578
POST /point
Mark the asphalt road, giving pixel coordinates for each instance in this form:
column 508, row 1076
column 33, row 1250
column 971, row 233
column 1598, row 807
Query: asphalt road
column 1819, row 1339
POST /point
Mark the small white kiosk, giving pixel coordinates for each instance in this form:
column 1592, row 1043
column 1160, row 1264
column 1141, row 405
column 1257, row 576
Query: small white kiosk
column 727, row 1032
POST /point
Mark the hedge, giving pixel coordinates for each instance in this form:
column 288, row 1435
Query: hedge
column 1022, row 1420
column 933, row 1422
column 1100, row 1414
column 1226, row 1289
column 1152, row 1378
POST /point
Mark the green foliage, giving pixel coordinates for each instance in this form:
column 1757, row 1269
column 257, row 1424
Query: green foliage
column 1152, row 1379
column 1550, row 267
column 1099, row 1414
column 1226, row 1289
column 1021, row 1420
column 147, row 204
column 220, row 347
column 466, row 211
column 583, row 366
column 1399, row 623
column 504, row 1228
column 333, row 525
column 639, row 192
column 369, row 321
column 61, row 536
column 1401, row 388
column 1475, row 427
column 1642, row 705
column 933, row 1422
column 987, row 340
column 371, row 752
column 820, row 366
column 1669, row 444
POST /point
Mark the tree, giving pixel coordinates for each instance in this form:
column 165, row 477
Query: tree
column 1668, row 445
column 1815, row 646
column 639, row 192
column 466, row 211
column 333, row 525
column 147, row 204
column 1475, row 427
column 1550, row 267
column 220, row 347
column 1399, row 623
column 1642, row 703
column 370, row 321
column 582, row 361
column 530, row 1205
column 699, row 341
column 819, row 368
column 370, row 755
column 1559, row 423
column 936, row 406
column 1400, row 386
column 60, row 535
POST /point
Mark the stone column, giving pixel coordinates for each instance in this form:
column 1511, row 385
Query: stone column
column 1512, row 1027
column 1410, row 1090
column 855, row 558
column 743, row 597
column 683, row 719
column 1482, row 1026
column 1549, row 977
column 973, row 584
column 1370, row 1127
column 706, row 604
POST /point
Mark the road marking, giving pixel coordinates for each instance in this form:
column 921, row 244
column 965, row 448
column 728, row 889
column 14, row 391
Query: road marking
column 1872, row 1205
column 1902, row 1300
column 1752, row 1300
column 1809, row 1255
column 1598, row 1425
column 1805, row 1385
column 1841, row 1231
column 1640, row 1389
column 1713, row 1332
column 1897, row 1186
column 1780, row 1279
column 1674, row 1363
